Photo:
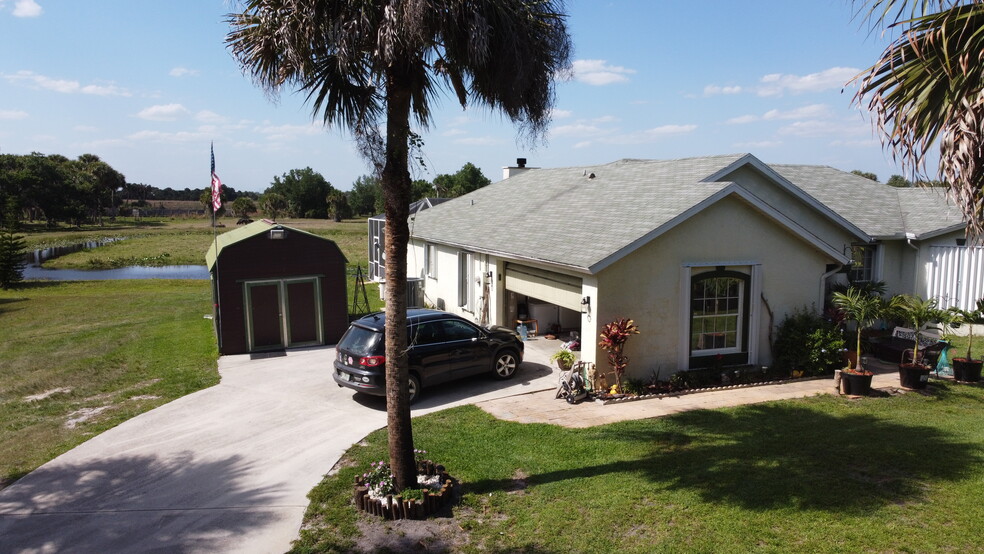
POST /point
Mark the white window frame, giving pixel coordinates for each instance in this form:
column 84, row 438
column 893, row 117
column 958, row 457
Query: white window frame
column 466, row 275
column 430, row 260
column 868, row 265
column 738, row 331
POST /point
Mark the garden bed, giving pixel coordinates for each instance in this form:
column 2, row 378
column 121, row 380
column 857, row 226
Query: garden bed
column 622, row 398
column 396, row 507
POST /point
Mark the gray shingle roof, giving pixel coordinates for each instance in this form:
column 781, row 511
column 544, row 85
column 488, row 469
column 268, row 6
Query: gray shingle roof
column 563, row 216
column 877, row 209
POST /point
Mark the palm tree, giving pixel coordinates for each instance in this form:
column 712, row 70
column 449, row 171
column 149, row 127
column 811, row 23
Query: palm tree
column 365, row 62
column 861, row 307
column 919, row 313
column 927, row 87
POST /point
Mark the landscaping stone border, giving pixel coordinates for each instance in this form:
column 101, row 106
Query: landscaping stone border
column 395, row 507
column 638, row 397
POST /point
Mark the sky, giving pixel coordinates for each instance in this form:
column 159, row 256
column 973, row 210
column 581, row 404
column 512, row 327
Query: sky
column 148, row 86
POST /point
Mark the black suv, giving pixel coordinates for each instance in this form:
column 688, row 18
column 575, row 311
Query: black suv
column 442, row 347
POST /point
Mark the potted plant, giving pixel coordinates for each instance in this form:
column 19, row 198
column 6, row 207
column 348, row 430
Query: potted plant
column 918, row 313
column 864, row 309
column 968, row 369
column 565, row 359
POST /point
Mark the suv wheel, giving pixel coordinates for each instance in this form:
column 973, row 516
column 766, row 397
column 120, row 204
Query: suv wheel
column 413, row 388
column 505, row 364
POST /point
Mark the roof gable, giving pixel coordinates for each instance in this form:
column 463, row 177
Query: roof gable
column 244, row 233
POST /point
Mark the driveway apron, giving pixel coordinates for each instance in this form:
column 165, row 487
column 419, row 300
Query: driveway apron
column 225, row 469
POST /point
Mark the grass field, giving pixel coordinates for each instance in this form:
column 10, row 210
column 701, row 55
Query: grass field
column 827, row 474
column 81, row 357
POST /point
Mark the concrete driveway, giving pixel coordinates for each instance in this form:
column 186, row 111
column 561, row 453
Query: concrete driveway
column 226, row 469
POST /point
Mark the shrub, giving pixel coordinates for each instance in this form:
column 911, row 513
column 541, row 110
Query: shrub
column 806, row 342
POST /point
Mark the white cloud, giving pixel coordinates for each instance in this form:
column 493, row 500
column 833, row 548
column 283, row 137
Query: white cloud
column 208, row 116
column 85, row 128
column 163, row 112
column 27, row 8
column 714, row 90
column 743, row 119
column 561, row 114
column 158, row 136
column 453, row 133
column 575, row 130
column 183, row 72
column 649, row 135
column 599, row 73
column 288, row 132
column 803, row 112
column 776, row 84
column 64, row 86
column 13, row 114
column 824, row 127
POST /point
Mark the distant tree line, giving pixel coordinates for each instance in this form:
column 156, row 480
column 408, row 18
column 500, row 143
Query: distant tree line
column 899, row 181
column 53, row 188
column 306, row 193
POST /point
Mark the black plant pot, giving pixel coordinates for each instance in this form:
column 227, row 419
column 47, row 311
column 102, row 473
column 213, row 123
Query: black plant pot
column 913, row 376
column 854, row 384
column 967, row 371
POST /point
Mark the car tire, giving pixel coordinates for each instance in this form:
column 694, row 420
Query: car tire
column 505, row 364
column 413, row 388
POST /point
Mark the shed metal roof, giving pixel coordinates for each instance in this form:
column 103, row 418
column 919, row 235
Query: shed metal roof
column 242, row 233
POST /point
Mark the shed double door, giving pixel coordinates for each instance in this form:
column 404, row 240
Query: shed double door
column 283, row 313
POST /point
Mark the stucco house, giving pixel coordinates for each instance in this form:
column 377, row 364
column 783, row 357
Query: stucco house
column 706, row 254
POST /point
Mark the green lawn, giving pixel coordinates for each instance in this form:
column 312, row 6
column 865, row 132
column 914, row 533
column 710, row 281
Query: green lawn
column 81, row 357
column 827, row 474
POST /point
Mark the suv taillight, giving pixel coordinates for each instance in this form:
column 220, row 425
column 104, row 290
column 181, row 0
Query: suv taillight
column 372, row 361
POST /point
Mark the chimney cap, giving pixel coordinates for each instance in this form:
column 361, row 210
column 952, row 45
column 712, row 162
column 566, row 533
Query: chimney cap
column 520, row 162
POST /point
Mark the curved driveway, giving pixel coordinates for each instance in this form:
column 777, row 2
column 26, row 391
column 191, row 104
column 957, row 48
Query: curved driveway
column 225, row 469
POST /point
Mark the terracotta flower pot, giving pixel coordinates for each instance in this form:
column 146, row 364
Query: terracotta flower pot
column 967, row 371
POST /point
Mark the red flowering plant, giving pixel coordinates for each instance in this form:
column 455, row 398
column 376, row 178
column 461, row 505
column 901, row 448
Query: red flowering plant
column 613, row 337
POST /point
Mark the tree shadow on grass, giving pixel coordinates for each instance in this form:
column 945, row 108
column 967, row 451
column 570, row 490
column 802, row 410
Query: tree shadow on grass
column 766, row 457
column 132, row 504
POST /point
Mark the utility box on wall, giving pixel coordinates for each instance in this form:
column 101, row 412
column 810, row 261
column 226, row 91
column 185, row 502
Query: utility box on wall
column 276, row 287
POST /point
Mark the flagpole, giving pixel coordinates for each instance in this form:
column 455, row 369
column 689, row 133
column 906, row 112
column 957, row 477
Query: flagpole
column 216, row 189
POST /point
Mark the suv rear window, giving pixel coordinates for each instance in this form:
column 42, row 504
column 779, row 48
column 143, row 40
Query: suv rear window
column 360, row 341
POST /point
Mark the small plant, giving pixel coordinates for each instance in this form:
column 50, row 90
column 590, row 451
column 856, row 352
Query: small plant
column 565, row 358
column 918, row 313
column 413, row 494
column 968, row 317
column 613, row 337
column 864, row 308
column 379, row 479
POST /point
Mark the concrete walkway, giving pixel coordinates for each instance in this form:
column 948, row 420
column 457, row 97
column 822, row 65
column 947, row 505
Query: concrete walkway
column 227, row 469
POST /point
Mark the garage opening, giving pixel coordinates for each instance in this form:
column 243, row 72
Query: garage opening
column 546, row 302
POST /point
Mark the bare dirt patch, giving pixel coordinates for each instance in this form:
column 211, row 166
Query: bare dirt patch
column 47, row 394
column 84, row 415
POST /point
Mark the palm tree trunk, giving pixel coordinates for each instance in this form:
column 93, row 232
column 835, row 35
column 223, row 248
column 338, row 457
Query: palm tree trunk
column 396, row 196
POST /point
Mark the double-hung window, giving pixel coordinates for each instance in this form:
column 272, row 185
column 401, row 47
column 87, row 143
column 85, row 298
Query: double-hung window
column 430, row 260
column 466, row 276
column 862, row 263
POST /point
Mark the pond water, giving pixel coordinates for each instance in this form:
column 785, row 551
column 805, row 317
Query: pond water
column 34, row 259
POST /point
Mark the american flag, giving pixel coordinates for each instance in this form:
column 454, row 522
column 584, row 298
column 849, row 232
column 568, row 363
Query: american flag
column 216, row 185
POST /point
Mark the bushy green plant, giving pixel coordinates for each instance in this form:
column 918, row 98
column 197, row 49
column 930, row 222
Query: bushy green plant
column 379, row 479
column 413, row 494
column 806, row 342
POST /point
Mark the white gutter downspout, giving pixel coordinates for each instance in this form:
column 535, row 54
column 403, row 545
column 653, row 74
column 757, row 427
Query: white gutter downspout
column 823, row 283
column 909, row 237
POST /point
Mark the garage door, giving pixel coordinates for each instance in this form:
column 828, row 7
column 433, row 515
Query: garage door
column 549, row 286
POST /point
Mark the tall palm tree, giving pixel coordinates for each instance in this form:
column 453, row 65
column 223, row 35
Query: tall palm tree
column 367, row 62
column 928, row 88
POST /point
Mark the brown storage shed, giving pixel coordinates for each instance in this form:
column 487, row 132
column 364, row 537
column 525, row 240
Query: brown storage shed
column 276, row 287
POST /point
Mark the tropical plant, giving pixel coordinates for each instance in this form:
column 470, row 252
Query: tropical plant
column 371, row 65
column 862, row 308
column 969, row 318
column 918, row 313
column 927, row 89
column 613, row 337
column 273, row 205
column 564, row 357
